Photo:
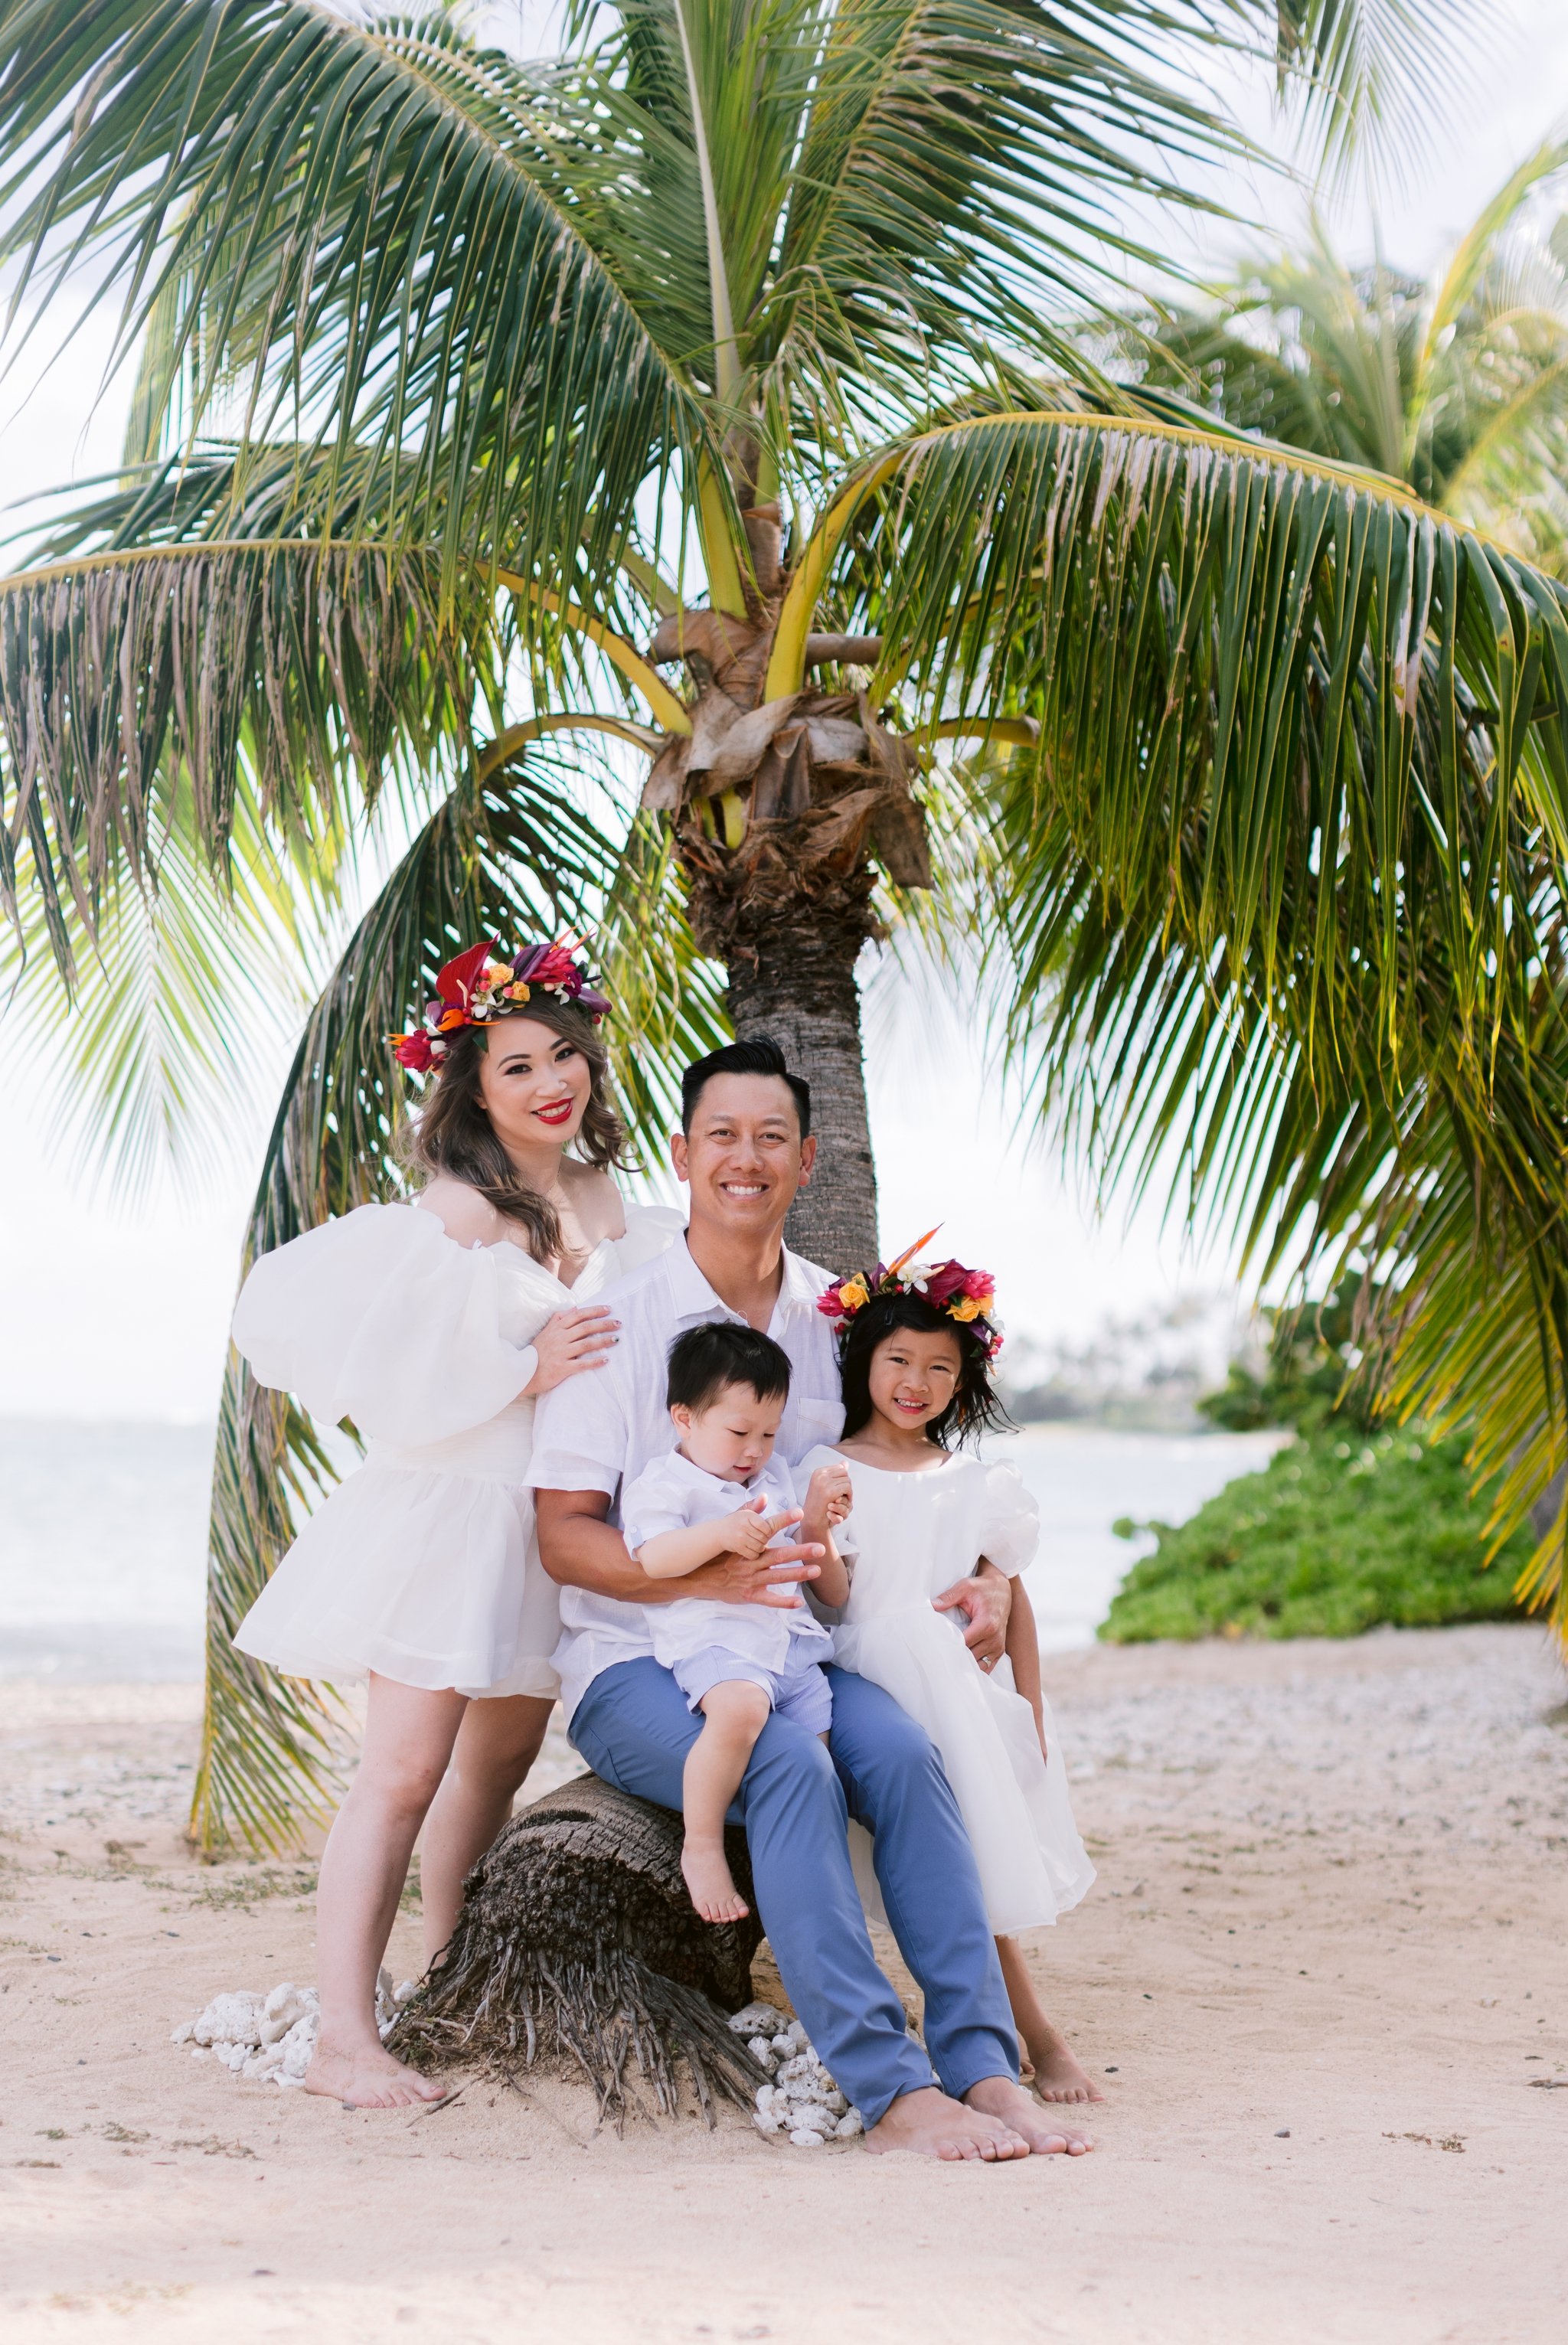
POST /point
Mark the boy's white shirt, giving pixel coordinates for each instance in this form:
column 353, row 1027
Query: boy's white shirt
column 672, row 1494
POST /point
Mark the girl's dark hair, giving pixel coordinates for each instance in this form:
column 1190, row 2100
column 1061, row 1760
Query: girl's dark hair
column 974, row 1407
column 705, row 1359
column 452, row 1132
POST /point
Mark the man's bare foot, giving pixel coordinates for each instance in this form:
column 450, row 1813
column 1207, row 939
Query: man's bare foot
column 712, row 1886
column 367, row 2078
column 1000, row 2098
column 928, row 2125
column 1058, row 2074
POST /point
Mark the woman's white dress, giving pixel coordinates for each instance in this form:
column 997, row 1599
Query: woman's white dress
column 908, row 1537
column 423, row 1565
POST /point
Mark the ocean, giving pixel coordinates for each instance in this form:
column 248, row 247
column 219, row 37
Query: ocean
column 103, row 1534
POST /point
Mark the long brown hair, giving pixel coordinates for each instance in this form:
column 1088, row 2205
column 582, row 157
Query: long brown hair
column 452, row 1134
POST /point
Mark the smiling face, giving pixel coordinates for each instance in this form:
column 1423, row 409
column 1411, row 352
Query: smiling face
column 533, row 1082
column 743, row 1158
column 913, row 1377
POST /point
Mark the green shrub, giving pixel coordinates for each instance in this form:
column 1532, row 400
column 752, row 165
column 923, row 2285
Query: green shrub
column 1344, row 1530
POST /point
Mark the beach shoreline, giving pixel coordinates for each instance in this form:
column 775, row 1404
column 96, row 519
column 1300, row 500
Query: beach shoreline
column 1320, row 1978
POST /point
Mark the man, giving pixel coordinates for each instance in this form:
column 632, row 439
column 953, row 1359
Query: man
column 744, row 1149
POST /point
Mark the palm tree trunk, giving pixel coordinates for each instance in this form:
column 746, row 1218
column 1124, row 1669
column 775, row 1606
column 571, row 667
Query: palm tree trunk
column 798, row 985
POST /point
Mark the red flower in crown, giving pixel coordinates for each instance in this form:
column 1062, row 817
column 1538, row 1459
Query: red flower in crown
column 479, row 986
column 967, row 1295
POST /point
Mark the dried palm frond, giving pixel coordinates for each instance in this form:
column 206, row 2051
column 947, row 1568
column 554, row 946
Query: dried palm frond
column 579, row 1942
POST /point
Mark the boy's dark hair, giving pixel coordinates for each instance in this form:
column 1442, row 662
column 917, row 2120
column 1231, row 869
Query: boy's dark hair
column 974, row 1407
column 760, row 1056
column 705, row 1359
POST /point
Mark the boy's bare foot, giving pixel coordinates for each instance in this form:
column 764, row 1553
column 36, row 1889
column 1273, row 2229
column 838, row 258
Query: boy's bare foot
column 1010, row 2105
column 712, row 1886
column 928, row 2125
column 368, row 2079
column 1058, row 2074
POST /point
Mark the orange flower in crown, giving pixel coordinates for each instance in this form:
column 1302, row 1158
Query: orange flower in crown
column 967, row 1295
column 480, row 986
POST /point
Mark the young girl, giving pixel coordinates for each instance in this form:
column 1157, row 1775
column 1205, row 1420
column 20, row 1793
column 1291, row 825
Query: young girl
column 917, row 1350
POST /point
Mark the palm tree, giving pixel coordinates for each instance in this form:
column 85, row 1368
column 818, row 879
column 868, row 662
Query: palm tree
column 1456, row 385
column 682, row 392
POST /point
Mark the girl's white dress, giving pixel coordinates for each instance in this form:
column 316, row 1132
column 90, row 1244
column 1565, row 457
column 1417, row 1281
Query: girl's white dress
column 423, row 1565
column 908, row 1537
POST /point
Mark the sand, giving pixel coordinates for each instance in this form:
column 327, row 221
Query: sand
column 1321, row 1979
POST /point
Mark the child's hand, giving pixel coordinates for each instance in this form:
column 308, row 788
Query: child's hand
column 830, row 1493
column 748, row 1531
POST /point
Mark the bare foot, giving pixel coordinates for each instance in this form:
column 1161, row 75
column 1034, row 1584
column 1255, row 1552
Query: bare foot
column 928, row 2125
column 1058, row 2075
column 713, row 1890
column 1000, row 2098
column 367, row 2078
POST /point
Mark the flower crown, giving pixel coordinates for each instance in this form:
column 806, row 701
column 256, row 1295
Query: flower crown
column 967, row 1295
column 478, row 987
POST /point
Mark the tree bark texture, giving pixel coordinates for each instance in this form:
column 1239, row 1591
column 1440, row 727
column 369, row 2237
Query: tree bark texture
column 800, row 987
column 578, row 1940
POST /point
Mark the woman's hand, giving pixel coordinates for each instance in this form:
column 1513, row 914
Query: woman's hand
column 567, row 1343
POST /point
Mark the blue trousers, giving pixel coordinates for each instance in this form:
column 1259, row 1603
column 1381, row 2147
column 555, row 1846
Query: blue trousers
column 633, row 1727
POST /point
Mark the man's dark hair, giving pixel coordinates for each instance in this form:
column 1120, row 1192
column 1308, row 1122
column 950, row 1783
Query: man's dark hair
column 705, row 1359
column 760, row 1056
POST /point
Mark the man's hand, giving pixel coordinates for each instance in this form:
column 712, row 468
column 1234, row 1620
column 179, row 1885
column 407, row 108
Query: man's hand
column 745, row 1533
column 766, row 1578
column 578, row 1549
column 985, row 1603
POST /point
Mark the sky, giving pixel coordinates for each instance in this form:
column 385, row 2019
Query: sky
column 108, row 1311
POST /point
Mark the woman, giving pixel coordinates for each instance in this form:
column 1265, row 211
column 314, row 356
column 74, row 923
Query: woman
column 435, row 1326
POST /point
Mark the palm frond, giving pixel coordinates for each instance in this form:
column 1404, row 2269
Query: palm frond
column 373, row 253
column 152, row 1057
column 303, row 673
column 1373, row 82
column 516, row 857
column 1285, row 882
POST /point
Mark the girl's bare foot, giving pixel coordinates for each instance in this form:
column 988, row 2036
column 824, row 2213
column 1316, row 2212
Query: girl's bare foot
column 710, row 1881
column 1010, row 2105
column 367, row 2078
column 1058, row 2074
column 928, row 2125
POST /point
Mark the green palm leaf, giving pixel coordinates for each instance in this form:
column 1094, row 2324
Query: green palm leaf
column 1284, row 882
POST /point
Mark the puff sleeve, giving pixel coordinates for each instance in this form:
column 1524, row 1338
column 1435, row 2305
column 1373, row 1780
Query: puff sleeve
column 1010, row 1528
column 382, row 1317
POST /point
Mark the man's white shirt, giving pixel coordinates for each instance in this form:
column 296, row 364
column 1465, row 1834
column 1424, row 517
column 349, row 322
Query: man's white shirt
column 601, row 1428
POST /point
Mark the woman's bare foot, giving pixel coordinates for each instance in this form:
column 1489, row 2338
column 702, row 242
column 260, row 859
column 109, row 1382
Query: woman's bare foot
column 928, row 2125
column 1058, row 2074
column 367, row 2078
column 710, row 1881
column 1010, row 2105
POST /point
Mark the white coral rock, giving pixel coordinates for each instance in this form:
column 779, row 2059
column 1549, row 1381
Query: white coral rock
column 233, row 2018
column 803, row 2138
